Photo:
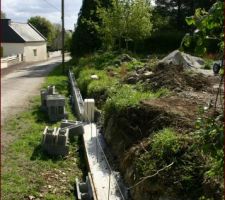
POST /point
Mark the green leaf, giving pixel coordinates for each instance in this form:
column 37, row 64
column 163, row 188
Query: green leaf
column 190, row 20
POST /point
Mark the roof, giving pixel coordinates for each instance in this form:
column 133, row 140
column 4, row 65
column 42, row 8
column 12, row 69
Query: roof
column 19, row 32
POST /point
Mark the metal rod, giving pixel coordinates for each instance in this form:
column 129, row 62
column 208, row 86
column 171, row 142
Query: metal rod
column 63, row 32
column 109, row 183
column 96, row 144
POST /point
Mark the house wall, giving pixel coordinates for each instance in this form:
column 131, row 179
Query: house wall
column 35, row 51
column 10, row 49
column 27, row 49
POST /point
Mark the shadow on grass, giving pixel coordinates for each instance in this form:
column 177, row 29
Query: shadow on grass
column 39, row 154
column 41, row 116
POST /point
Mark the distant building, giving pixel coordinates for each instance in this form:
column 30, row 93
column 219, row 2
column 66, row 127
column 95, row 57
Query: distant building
column 22, row 39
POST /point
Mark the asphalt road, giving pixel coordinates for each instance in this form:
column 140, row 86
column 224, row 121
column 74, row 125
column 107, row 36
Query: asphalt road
column 20, row 85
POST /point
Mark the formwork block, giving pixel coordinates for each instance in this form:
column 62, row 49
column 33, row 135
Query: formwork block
column 55, row 141
column 56, row 107
column 79, row 130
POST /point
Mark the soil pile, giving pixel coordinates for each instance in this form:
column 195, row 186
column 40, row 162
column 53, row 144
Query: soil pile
column 172, row 77
column 176, row 78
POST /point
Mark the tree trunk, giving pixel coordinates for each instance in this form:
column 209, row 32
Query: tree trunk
column 178, row 14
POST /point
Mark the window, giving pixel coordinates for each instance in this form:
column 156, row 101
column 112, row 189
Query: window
column 35, row 52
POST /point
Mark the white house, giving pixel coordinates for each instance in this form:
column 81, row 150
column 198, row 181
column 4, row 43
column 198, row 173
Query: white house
column 22, row 39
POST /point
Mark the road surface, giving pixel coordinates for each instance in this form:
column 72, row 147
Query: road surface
column 19, row 86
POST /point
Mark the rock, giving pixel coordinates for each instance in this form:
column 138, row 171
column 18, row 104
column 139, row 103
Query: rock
column 94, row 77
column 178, row 90
column 141, row 70
column 148, row 73
column 126, row 58
column 179, row 58
column 117, row 63
column 131, row 80
column 30, row 197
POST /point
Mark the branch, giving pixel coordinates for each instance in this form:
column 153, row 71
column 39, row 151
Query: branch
column 150, row 176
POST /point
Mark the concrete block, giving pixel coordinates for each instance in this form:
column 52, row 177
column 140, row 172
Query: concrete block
column 51, row 90
column 89, row 109
column 84, row 189
column 56, row 107
column 79, row 130
column 55, row 141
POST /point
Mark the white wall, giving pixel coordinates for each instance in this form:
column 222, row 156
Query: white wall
column 41, row 49
column 10, row 49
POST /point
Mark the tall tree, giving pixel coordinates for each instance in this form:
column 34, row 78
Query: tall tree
column 128, row 20
column 44, row 26
column 179, row 9
column 85, row 38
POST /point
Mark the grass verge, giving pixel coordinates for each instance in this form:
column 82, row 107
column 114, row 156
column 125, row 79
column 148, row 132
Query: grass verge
column 27, row 172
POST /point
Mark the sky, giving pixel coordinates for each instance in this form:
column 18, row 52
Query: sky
column 22, row 10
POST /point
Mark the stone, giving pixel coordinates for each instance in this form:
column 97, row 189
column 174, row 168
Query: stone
column 94, row 77
column 126, row 58
column 148, row 73
column 131, row 80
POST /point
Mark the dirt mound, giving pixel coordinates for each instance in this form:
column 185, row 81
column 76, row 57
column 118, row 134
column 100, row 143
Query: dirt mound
column 124, row 129
column 172, row 77
column 176, row 78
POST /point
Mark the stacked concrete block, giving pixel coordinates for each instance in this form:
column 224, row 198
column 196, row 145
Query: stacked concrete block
column 89, row 110
column 55, row 141
column 75, row 127
column 44, row 93
column 56, row 107
column 53, row 104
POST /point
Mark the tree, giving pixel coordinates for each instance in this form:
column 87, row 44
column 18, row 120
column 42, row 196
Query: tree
column 208, row 26
column 85, row 39
column 44, row 26
column 128, row 20
column 177, row 10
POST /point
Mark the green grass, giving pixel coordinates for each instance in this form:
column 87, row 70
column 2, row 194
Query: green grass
column 27, row 171
column 124, row 96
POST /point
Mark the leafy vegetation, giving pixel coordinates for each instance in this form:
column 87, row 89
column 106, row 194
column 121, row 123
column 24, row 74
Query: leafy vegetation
column 85, row 39
column 44, row 26
column 27, row 171
column 209, row 27
column 210, row 137
column 124, row 21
